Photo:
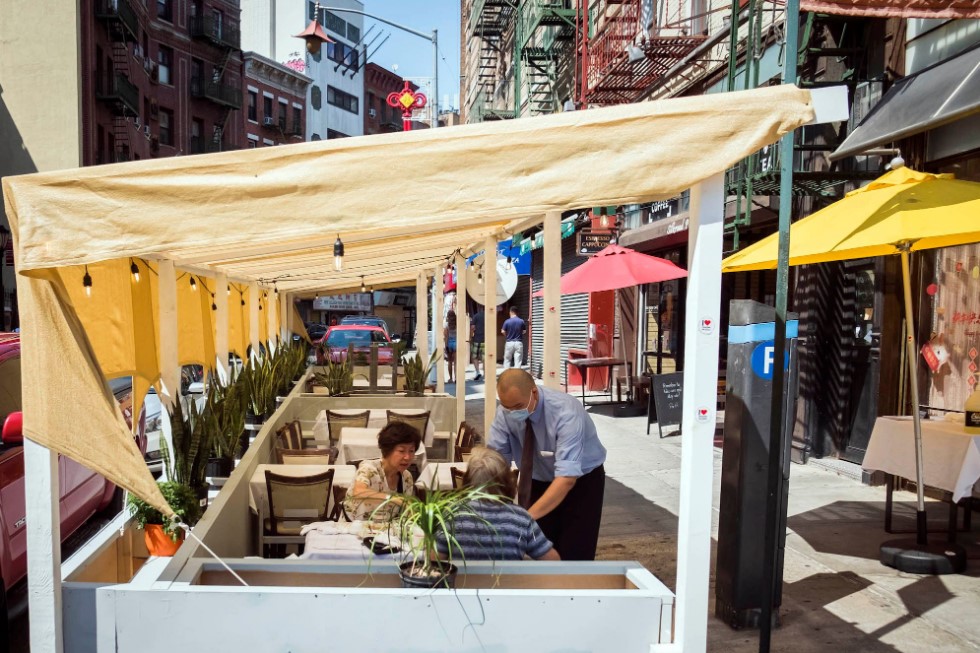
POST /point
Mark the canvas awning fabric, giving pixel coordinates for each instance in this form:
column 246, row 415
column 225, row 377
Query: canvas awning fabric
column 402, row 203
column 895, row 8
column 932, row 97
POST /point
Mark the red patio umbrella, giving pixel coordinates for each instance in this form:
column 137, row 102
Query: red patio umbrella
column 617, row 267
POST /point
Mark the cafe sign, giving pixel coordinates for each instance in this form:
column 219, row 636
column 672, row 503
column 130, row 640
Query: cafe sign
column 353, row 302
column 590, row 242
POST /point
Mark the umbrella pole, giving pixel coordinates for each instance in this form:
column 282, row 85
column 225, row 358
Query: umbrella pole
column 920, row 505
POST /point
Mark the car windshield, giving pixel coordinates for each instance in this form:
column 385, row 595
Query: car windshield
column 357, row 337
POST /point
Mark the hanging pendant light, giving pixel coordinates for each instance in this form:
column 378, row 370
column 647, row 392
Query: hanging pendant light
column 338, row 254
column 214, row 306
column 363, row 289
column 193, row 284
column 87, row 283
column 134, row 270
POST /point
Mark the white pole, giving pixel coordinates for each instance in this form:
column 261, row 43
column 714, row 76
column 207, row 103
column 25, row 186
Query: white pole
column 462, row 337
column 44, row 545
column 285, row 316
column 490, row 332
column 253, row 317
column 913, row 358
column 169, row 365
column 270, row 316
column 700, row 389
column 551, row 360
column 422, row 318
column 221, row 323
column 438, row 311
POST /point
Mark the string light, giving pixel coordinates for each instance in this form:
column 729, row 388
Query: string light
column 87, row 283
column 338, row 254
column 275, row 288
column 214, row 306
column 135, row 270
column 193, row 284
column 363, row 289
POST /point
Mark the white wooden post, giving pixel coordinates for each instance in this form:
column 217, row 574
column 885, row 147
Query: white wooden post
column 44, row 547
column 701, row 326
column 253, row 316
column 285, row 316
column 438, row 312
column 490, row 332
column 221, row 323
column 551, row 360
column 462, row 337
column 169, row 359
column 270, row 316
column 422, row 318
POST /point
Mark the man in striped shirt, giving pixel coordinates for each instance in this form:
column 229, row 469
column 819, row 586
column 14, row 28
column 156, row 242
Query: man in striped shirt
column 494, row 530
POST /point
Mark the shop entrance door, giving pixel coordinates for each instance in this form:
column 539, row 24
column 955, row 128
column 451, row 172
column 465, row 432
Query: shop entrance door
column 664, row 333
column 864, row 352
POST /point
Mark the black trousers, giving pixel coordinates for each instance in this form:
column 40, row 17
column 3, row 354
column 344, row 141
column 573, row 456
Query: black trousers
column 573, row 527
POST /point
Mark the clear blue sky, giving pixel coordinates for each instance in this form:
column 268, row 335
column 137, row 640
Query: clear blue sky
column 411, row 54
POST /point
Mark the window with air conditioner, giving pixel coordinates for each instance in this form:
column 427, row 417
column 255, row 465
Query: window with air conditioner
column 372, row 113
column 268, row 121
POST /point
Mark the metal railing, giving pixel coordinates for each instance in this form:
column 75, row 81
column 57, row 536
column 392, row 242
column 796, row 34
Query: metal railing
column 120, row 10
column 223, row 94
column 218, row 32
column 114, row 87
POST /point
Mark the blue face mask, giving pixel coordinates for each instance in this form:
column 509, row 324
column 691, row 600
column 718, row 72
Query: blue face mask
column 519, row 416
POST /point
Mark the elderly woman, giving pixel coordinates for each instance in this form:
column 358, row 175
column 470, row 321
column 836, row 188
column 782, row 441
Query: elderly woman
column 377, row 480
column 496, row 529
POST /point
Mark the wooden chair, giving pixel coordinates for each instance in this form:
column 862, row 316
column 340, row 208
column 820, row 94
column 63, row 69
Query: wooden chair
column 337, row 421
column 291, row 435
column 457, row 475
column 419, row 420
column 306, row 456
column 294, row 501
column 465, row 440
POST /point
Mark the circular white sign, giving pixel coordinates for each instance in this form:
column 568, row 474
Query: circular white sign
column 506, row 280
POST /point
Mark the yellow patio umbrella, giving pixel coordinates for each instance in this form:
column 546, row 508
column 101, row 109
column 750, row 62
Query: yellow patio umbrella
column 900, row 212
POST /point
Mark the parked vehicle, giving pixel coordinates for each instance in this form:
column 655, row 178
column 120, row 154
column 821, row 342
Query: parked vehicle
column 83, row 493
column 315, row 331
column 367, row 320
column 338, row 339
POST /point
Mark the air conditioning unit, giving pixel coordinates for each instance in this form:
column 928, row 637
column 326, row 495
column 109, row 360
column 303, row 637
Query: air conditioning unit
column 146, row 131
column 268, row 121
column 372, row 113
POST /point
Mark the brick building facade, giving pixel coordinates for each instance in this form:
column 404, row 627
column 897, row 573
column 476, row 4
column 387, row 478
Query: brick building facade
column 274, row 109
column 379, row 118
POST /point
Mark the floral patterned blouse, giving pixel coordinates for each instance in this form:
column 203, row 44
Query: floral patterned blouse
column 371, row 474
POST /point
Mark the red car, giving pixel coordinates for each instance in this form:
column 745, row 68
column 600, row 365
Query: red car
column 83, row 492
column 338, row 338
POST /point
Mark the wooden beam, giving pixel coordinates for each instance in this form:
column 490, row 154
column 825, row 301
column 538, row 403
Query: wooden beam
column 169, row 358
column 422, row 318
column 221, row 323
column 462, row 340
column 438, row 313
column 550, row 372
column 253, row 317
column 43, row 516
column 490, row 331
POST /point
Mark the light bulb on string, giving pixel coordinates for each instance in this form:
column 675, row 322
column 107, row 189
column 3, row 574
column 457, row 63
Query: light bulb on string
column 214, row 306
column 87, row 283
column 363, row 289
column 134, row 270
column 193, row 284
column 338, row 254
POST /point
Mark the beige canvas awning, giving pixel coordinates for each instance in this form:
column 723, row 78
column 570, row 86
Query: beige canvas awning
column 402, row 203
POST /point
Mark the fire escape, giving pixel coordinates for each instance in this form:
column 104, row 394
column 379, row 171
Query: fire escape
column 625, row 46
column 114, row 86
column 544, row 44
column 227, row 39
column 491, row 21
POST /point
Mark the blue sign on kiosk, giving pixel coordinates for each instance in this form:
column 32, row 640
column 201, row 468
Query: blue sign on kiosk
column 764, row 360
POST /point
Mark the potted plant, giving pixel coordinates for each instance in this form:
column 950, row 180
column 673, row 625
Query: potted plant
column 225, row 407
column 162, row 536
column 424, row 519
column 258, row 383
column 191, row 439
column 416, row 373
column 338, row 378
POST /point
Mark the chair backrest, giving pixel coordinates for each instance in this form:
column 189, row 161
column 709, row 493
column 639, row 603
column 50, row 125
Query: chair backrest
column 419, row 420
column 338, row 421
column 457, row 475
column 465, row 439
column 306, row 456
column 303, row 499
column 291, row 435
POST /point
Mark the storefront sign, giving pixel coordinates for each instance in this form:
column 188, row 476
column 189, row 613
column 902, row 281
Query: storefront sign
column 355, row 302
column 591, row 242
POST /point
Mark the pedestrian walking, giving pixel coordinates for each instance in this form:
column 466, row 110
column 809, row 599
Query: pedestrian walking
column 449, row 336
column 553, row 441
column 476, row 342
column 514, row 329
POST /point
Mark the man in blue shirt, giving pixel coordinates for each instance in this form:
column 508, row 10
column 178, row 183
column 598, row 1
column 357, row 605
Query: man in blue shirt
column 562, row 480
column 514, row 329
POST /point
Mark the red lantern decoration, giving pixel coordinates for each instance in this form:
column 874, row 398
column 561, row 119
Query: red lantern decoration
column 407, row 100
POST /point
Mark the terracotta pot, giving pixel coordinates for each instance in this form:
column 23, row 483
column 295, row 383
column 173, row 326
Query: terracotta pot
column 159, row 543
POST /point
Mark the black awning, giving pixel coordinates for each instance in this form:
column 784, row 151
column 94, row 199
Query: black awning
column 932, row 97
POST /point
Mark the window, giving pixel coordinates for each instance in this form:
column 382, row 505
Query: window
column 316, row 100
column 353, row 33
column 345, row 101
column 218, row 23
column 333, row 133
column 251, row 144
column 297, row 121
column 165, row 10
column 267, row 107
column 343, row 54
column 166, row 126
column 197, row 77
column 283, row 112
column 253, row 106
column 165, row 58
column 335, row 23
column 197, row 136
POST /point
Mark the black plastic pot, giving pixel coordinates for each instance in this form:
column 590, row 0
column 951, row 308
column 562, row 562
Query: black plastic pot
column 444, row 576
column 253, row 423
column 202, row 495
column 219, row 467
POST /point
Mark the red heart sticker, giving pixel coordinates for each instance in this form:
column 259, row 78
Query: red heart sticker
column 707, row 322
column 704, row 411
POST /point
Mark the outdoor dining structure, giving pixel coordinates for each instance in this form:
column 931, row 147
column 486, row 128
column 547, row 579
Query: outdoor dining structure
column 258, row 228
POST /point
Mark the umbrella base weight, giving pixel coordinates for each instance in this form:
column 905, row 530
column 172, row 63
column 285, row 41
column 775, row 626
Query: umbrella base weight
column 935, row 559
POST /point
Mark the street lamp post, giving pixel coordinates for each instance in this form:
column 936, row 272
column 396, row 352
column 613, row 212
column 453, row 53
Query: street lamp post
column 433, row 38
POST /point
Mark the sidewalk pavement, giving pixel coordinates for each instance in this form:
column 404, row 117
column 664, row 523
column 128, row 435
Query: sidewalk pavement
column 836, row 595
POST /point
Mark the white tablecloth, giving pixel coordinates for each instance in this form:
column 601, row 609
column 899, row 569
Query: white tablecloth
column 345, row 541
column 377, row 420
column 258, row 497
column 950, row 456
column 362, row 444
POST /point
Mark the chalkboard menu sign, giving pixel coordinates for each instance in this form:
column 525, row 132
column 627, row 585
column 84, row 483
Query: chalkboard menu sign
column 667, row 399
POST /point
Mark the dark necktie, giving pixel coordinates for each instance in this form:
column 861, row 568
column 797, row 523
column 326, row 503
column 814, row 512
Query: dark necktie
column 527, row 468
